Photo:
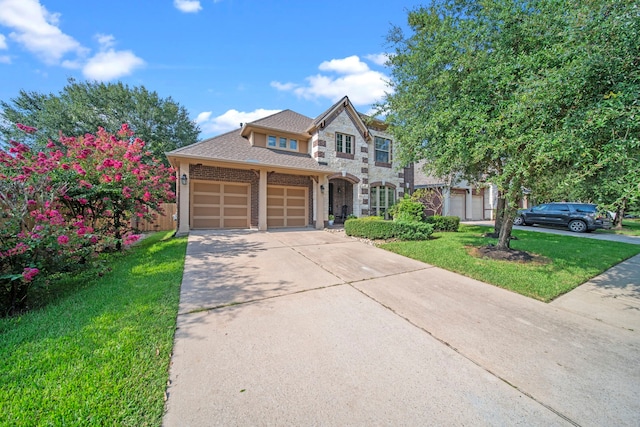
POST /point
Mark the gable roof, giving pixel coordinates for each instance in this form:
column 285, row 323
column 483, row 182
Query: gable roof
column 232, row 147
column 334, row 110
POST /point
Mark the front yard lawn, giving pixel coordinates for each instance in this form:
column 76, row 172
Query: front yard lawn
column 98, row 355
column 630, row 227
column 567, row 261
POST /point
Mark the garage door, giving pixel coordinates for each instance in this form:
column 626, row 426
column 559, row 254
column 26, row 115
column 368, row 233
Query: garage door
column 220, row 205
column 457, row 205
column 287, row 206
column 477, row 207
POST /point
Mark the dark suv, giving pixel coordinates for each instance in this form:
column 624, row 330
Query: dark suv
column 579, row 217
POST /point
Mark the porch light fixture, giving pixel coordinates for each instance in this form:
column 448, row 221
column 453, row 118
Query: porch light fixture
column 183, row 179
column 321, row 188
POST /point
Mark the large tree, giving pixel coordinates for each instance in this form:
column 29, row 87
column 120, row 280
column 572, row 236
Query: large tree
column 83, row 107
column 509, row 91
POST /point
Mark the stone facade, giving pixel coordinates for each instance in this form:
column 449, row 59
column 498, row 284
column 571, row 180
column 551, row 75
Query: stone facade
column 359, row 163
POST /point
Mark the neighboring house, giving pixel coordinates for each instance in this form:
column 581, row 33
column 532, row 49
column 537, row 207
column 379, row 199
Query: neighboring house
column 289, row 170
column 457, row 197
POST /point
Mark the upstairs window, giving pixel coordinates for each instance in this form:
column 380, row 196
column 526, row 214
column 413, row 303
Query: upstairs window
column 282, row 143
column 344, row 143
column 383, row 150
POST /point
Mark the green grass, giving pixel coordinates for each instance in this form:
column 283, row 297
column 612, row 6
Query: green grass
column 100, row 355
column 573, row 260
column 630, row 227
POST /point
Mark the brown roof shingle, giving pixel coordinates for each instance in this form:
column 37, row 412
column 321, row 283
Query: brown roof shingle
column 232, row 147
column 286, row 120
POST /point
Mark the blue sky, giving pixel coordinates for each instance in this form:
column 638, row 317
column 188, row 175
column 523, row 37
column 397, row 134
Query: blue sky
column 225, row 61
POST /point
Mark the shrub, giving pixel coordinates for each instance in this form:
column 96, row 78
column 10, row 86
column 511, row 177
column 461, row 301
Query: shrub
column 444, row 223
column 407, row 210
column 60, row 207
column 369, row 228
column 413, row 230
column 376, row 228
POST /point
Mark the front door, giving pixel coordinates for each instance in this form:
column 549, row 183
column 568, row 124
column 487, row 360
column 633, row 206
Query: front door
column 340, row 199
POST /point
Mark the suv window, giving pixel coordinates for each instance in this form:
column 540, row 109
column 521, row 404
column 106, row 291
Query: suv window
column 563, row 208
column 539, row 208
column 585, row 208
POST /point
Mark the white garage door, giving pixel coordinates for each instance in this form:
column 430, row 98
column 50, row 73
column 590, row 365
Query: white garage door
column 287, row 206
column 477, row 207
column 220, row 205
column 457, row 207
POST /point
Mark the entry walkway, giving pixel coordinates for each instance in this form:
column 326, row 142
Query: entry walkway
column 314, row 328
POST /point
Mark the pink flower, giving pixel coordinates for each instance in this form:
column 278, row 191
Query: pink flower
column 63, row 240
column 132, row 238
column 83, row 201
column 25, row 128
column 79, row 169
column 29, row 273
column 147, row 196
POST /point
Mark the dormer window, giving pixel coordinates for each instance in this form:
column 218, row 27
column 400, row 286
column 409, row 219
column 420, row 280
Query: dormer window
column 282, row 143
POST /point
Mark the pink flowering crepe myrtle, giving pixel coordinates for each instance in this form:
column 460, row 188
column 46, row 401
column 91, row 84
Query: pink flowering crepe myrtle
column 63, row 204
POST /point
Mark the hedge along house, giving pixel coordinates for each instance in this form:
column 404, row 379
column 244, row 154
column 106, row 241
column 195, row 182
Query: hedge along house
column 289, row 170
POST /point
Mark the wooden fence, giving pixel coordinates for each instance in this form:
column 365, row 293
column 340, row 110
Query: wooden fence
column 162, row 222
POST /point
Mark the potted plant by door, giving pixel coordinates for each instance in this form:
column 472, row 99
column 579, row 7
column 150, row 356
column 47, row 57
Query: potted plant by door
column 331, row 219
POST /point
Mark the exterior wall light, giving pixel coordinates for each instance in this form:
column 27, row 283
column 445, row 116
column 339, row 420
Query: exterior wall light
column 183, row 179
column 322, row 188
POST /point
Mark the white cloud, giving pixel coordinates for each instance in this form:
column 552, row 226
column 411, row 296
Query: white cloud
column 348, row 76
column 3, row 42
column 187, row 6
column 105, row 40
column 378, row 58
column 36, row 29
column 5, row 59
column 348, row 65
column 230, row 120
column 108, row 64
column 284, row 86
column 111, row 64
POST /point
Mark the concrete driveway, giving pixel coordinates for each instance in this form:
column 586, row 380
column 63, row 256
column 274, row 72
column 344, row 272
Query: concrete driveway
column 314, row 328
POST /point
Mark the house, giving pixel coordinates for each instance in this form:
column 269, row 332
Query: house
column 456, row 197
column 289, row 170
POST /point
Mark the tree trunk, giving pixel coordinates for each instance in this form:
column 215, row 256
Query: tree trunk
column 617, row 222
column 504, row 239
column 499, row 214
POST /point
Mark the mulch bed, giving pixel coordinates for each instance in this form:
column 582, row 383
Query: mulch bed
column 511, row 255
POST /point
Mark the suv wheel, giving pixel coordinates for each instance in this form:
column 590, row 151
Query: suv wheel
column 577, row 226
column 518, row 220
